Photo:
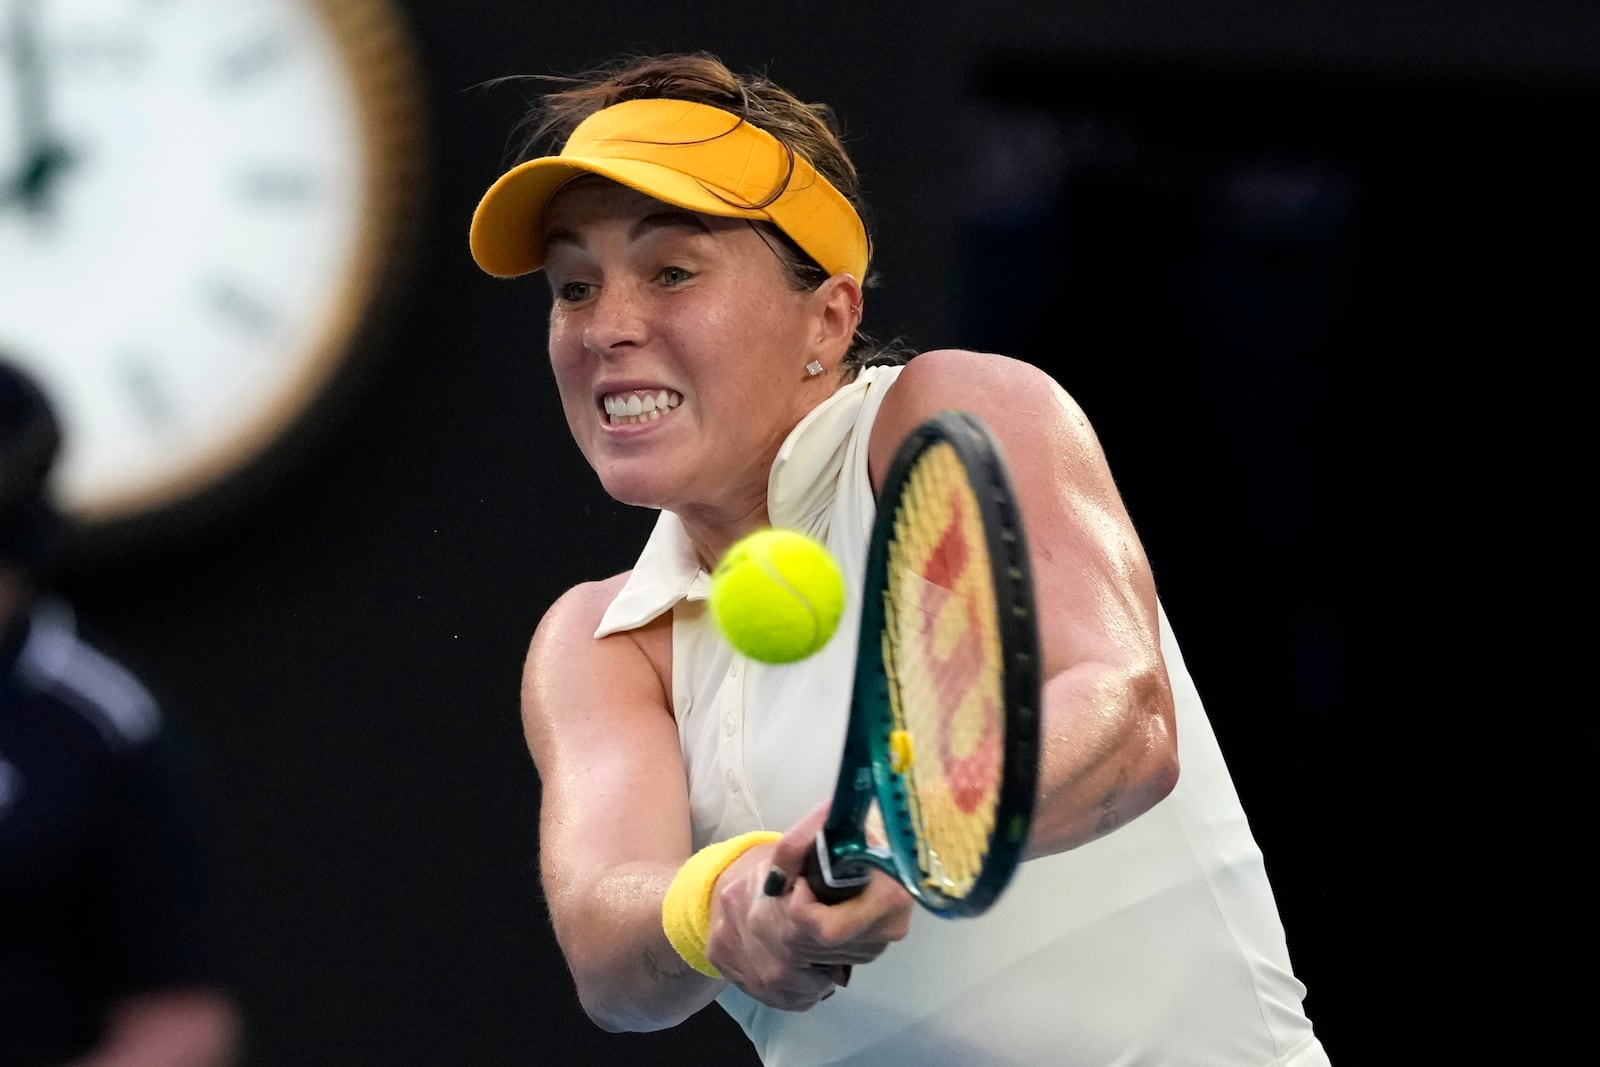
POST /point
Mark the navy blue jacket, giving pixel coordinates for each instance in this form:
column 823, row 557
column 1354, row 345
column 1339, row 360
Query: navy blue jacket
column 102, row 889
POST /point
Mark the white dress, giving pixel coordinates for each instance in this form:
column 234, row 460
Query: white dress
column 1159, row 944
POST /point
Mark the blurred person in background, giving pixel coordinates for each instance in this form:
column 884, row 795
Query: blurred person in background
column 106, row 958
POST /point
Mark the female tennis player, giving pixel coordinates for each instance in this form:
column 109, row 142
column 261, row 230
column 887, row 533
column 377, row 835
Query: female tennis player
column 704, row 242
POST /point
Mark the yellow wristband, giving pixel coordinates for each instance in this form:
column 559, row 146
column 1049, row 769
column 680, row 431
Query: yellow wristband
column 686, row 909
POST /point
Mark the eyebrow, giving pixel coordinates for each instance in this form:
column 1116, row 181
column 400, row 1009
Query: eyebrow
column 659, row 220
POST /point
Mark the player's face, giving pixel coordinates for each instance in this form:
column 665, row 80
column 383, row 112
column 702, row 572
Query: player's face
column 679, row 349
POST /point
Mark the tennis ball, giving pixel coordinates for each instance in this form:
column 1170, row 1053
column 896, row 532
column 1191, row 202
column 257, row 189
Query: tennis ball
column 776, row 595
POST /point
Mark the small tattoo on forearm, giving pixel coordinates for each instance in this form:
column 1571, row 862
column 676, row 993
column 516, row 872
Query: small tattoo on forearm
column 1109, row 818
column 665, row 970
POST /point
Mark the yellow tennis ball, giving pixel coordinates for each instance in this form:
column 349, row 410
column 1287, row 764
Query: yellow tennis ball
column 776, row 595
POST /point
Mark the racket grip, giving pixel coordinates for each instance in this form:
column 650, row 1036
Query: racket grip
column 831, row 882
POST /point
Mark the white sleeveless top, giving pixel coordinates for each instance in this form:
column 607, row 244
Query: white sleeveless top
column 1159, row 944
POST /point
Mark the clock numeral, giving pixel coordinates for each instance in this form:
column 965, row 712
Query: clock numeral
column 249, row 60
column 277, row 186
column 238, row 307
column 144, row 390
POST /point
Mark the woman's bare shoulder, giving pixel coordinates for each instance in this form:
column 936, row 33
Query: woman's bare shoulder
column 1007, row 393
column 583, row 605
column 565, row 650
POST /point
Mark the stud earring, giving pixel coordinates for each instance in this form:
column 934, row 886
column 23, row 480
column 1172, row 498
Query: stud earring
column 814, row 368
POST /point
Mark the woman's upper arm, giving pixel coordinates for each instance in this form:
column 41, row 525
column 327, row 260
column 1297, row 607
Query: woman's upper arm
column 1090, row 568
column 1110, row 731
column 598, row 722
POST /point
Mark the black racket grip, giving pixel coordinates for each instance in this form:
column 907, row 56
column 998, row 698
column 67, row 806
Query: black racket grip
column 830, row 882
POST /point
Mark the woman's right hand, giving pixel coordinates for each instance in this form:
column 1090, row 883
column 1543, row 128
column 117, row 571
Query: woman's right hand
column 792, row 951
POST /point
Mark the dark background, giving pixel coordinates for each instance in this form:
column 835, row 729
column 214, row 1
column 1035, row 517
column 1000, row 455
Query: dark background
column 1321, row 273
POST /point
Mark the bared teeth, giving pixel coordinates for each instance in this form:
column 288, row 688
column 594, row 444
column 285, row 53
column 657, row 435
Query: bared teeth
column 638, row 405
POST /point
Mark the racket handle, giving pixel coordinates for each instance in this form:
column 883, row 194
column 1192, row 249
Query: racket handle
column 830, row 882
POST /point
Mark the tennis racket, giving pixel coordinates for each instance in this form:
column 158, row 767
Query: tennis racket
column 943, row 739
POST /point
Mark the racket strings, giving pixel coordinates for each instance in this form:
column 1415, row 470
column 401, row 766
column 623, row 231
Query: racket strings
column 942, row 652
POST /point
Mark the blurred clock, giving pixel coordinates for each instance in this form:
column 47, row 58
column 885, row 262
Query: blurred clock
column 201, row 204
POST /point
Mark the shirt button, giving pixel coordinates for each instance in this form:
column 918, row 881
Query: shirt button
column 733, row 782
column 728, row 726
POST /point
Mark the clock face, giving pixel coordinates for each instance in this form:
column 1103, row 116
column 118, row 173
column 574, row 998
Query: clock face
column 197, row 204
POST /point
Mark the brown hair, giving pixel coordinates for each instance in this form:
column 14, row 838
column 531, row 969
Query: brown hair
column 810, row 130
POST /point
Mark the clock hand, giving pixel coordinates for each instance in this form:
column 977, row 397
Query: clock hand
column 43, row 155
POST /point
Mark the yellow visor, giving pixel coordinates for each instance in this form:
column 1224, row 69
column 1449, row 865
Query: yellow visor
column 690, row 155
